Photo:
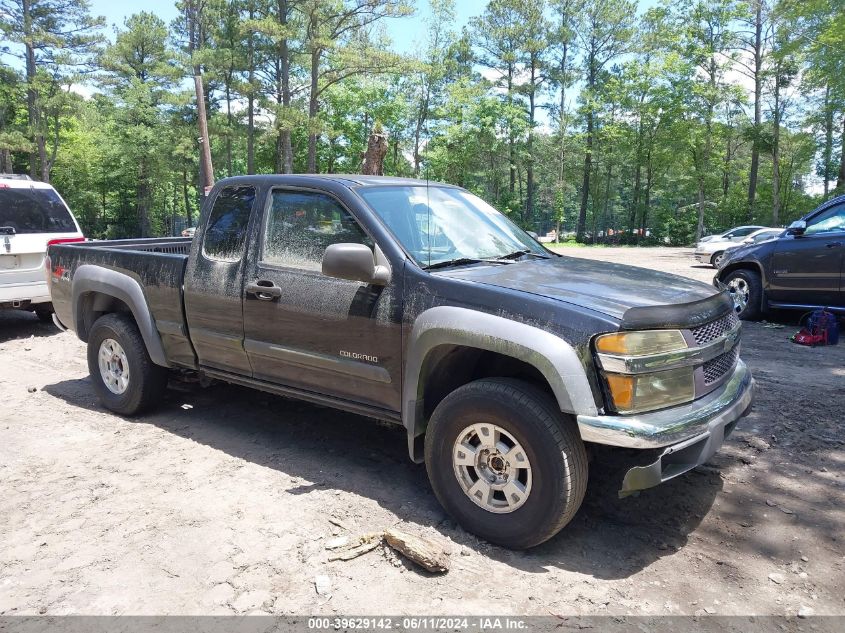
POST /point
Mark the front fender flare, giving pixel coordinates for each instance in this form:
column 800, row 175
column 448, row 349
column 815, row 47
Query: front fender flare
column 553, row 357
column 89, row 278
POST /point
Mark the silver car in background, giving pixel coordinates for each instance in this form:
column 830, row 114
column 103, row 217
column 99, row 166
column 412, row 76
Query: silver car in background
column 711, row 249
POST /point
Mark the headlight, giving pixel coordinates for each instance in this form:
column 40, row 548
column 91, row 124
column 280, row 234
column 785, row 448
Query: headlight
column 645, row 392
column 630, row 362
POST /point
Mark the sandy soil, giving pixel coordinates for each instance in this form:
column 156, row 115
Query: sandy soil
column 223, row 500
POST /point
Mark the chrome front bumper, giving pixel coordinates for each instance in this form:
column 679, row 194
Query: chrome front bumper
column 691, row 434
column 677, row 424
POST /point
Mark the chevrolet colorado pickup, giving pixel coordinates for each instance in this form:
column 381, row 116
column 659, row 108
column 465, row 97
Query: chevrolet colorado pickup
column 419, row 304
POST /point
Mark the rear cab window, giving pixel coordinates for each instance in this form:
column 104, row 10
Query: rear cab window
column 34, row 210
column 225, row 233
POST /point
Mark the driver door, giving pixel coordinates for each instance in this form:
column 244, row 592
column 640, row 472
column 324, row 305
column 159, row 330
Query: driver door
column 314, row 332
column 807, row 268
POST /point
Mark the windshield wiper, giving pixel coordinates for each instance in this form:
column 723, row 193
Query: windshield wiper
column 461, row 261
column 518, row 254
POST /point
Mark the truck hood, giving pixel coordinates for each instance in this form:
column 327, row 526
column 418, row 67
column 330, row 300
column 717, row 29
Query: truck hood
column 612, row 289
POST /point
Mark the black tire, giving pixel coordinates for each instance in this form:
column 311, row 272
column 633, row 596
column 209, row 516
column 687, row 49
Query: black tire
column 750, row 285
column 45, row 316
column 717, row 258
column 147, row 381
column 555, row 452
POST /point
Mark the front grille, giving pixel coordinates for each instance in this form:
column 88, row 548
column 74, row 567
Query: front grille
column 703, row 334
column 716, row 368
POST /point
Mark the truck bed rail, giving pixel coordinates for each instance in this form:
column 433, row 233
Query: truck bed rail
column 169, row 245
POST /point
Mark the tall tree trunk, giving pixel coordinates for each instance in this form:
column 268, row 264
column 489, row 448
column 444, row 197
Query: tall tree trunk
column 606, row 205
column 828, row 140
column 647, row 201
column 562, row 125
column 31, row 96
column 585, row 185
column 250, row 126
column 205, row 142
column 193, row 15
column 758, row 91
column 284, row 50
column 511, row 139
column 776, row 159
column 588, row 153
column 529, row 168
column 312, row 111
column 726, row 172
column 228, row 127
column 142, row 200
column 702, row 166
column 187, row 197
column 840, row 178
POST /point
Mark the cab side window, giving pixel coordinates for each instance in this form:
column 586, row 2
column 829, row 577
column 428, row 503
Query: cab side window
column 225, row 233
column 829, row 221
column 302, row 224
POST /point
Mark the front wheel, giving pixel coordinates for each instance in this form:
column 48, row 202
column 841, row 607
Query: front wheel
column 746, row 290
column 505, row 463
column 717, row 259
column 125, row 378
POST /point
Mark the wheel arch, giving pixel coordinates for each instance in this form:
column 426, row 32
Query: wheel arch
column 746, row 265
column 97, row 291
column 451, row 346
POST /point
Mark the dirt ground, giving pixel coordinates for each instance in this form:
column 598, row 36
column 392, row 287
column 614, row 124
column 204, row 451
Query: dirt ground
column 222, row 501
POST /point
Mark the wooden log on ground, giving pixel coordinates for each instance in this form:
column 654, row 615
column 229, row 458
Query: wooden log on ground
column 425, row 552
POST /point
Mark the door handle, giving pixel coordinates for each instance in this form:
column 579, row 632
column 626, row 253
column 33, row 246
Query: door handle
column 264, row 290
column 833, row 244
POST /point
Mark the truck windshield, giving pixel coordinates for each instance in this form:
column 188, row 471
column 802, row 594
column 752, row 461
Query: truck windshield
column 437, row 225
column 30, row 210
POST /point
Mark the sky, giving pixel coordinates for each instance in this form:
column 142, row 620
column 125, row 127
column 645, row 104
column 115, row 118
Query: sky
column 406, row 32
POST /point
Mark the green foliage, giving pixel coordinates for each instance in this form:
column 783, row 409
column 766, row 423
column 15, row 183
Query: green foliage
column 564, row 114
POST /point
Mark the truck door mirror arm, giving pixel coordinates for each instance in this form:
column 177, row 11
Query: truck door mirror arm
column 354, row 262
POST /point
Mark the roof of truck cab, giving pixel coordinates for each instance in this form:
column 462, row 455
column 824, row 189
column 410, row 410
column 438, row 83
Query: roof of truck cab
column 349, row 180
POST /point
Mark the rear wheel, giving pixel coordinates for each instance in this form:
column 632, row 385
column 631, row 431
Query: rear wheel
column 125, row 378
column 746, row 290
column 505, row 463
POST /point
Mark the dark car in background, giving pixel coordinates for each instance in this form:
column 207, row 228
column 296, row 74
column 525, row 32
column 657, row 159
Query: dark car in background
column 800, row 270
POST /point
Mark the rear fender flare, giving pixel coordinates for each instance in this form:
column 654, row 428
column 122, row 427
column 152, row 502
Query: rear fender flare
column 554, row 358
column 88, row 278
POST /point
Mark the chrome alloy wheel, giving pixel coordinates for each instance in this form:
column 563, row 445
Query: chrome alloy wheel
column 114, row 366
column 740, row 292
column 492, row 468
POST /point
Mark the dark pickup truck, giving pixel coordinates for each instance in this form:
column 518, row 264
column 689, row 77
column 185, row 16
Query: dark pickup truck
column 419, row 304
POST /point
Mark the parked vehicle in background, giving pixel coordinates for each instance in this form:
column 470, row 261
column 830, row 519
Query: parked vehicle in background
column 32, row 217
column 419, row 304
column 711, row 249
column 763, row 235
column 189, row 232
column 800, row 270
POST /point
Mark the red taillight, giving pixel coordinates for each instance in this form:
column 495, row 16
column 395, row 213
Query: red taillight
column 65, row 240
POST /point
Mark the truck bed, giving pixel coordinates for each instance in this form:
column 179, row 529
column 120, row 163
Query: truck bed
column 158, row 265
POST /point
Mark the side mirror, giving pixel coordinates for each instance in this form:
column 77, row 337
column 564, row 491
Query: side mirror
column 534, row 235
column 354, row 262
column 797, row 228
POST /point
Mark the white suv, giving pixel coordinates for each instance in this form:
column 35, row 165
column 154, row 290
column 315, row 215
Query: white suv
column 32, row 216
